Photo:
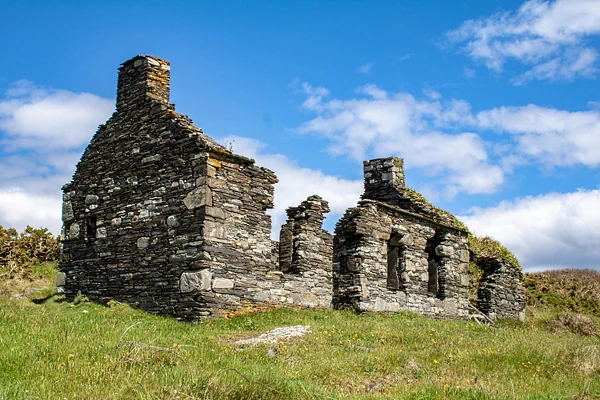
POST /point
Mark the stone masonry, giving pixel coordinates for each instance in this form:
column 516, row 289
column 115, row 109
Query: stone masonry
column 501, row 293
column 162, row 217
column 391, row 253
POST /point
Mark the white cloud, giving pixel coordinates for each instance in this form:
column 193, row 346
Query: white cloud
column 47, row 119
column 42, row 133
column 547, row 35
column 365, row 68
column 384, row 124
column 555, row 230
column 19, row 208
column 572, row 64
column 297, row 183
column 552, row 137
column 432, row 94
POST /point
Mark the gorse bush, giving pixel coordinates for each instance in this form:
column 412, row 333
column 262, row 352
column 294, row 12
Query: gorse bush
column 20, row 252
column 575, row 290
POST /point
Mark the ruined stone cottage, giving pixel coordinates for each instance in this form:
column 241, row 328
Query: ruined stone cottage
column 161, row 216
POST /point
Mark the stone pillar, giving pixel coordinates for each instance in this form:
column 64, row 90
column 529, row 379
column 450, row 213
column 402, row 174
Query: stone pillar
column 141, row 80
column 304, row 245
column 383, row 178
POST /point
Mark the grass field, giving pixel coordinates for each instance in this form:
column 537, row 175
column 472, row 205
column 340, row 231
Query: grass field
column 57, row 350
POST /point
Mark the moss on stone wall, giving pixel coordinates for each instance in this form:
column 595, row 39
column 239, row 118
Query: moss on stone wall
column 435, row 213
column 486, row 247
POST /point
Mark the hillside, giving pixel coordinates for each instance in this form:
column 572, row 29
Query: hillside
column 576, row 290
column 85, row 351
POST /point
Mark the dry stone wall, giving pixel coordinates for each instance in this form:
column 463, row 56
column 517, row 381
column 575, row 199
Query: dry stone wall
column 501, row 292
column 161, row 216
column 369, row 277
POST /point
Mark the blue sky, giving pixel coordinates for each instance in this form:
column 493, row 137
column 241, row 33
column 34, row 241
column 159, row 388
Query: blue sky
column 495, row 105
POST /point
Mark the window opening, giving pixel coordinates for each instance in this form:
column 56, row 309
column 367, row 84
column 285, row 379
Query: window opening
column 433, row 265
column 90, row 228
column 395, row 264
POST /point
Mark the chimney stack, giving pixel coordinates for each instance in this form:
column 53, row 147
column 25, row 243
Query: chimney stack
column 143, row 79
column 384, row 177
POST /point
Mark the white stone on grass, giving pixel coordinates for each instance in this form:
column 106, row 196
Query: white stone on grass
column 276, row 335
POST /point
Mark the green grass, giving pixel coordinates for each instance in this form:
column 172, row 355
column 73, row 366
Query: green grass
column 58, row 350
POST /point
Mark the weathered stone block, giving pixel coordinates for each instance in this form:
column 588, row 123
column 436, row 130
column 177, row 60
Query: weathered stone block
column 91, row 199
column 74, row 231
column 201, row 196
column 195, row 281
column 222, row 283
column 61, row 279
column 214, row 212
column 67, row 211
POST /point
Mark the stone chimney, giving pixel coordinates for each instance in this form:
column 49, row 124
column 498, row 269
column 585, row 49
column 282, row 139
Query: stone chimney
column 383, row 177
column 143, row 79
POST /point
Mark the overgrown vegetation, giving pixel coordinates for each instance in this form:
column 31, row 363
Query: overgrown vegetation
column 434, row 212
column 575, row 290
column 486, row 247
column 21, row 253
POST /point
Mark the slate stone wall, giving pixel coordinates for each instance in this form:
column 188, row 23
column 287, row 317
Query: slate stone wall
column 160, row 216
column 501, row 292
column 364, row 279
column 303, row 244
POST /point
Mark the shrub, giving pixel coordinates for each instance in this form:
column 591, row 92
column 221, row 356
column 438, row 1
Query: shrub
column 575, row 290
column 486, row 247
column 20, row 252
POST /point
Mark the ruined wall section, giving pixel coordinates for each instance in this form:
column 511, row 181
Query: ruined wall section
column 304, row 245
column 236, row 231
column 361, row 271
column 241, row 267
column 501, row 292
column 143, row 199
column 160, row 216
column 384, row 182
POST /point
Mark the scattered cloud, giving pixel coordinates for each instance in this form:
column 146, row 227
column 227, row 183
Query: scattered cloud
column 42, row 135
column 574, row 63
column 469, row 73
column 594, row 105
column 381, row 124
column 365, row 68
column 555, row 230
column 432, row 94
column 547, row 36
column 550, row 136
column 406, row 56
column 33, row 117
column 297, row 183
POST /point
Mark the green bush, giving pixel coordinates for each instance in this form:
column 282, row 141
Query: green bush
column 21, row 252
